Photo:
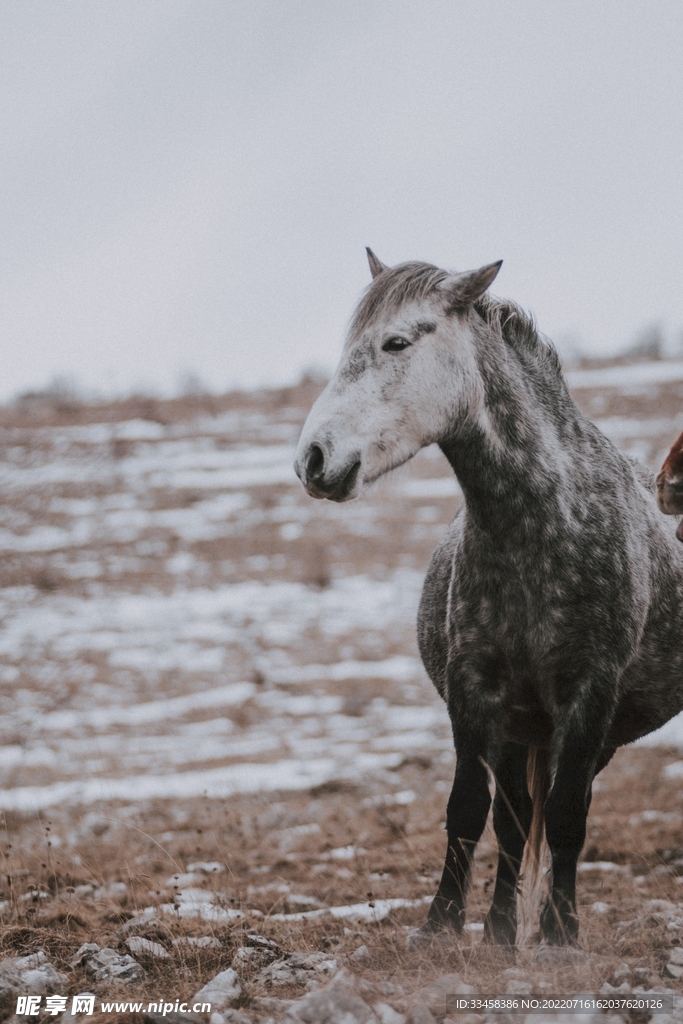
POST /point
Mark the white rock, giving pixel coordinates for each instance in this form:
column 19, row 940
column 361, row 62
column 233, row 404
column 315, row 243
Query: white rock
column 297, row 969
column 435, row 995
column 222, row 991
column 27, row 963
column 201, row 942
column 68, row 1015
column 108, row 965
column 140, row 946
column 600, row 908
column 387, row 1014
column 622, row 973
column 229, row 1016
column 624, row 989
column 140, row 920
column 84, row 952
column 337, row 1003
column 253, row 957
column 33, row 974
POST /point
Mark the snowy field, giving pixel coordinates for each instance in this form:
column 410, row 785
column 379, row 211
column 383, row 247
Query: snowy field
column 178, row 618
column 220, row 751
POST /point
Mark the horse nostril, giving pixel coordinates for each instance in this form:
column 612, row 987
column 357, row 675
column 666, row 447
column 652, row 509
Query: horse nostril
column 315, row 462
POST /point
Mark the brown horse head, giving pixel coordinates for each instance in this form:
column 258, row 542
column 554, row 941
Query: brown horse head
column 670, row 484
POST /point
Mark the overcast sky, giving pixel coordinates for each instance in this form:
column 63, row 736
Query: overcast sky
column 189, row 186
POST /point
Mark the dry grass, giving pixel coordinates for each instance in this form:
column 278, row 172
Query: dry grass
column 270, row 868
column 274, row 866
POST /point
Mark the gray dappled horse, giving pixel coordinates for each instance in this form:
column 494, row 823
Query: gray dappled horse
column 552, row 613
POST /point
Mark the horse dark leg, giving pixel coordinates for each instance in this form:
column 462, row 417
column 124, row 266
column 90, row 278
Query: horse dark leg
column 468, row 807
column 566, row 811
column 512, row 811
column 565, row 828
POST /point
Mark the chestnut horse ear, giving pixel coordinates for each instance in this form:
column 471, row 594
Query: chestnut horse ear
column 465, row 289
column 376, row 266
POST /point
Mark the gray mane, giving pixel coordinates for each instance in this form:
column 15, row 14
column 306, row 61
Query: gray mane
column 518, row 329
column 413, row 282
column 393, row 288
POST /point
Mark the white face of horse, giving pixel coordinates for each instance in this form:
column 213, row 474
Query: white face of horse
column 403, row 380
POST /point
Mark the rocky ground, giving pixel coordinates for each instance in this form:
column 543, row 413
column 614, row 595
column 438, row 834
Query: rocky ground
column 222, row 763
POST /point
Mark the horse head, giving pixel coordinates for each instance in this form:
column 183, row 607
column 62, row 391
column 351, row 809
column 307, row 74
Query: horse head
column 407, row 373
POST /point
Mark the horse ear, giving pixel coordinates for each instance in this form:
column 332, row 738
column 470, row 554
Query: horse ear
column 376, row 266
column 465, row 289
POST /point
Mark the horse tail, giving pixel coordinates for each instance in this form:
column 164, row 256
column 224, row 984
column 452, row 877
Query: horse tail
column 530, row 888
column 538, row 783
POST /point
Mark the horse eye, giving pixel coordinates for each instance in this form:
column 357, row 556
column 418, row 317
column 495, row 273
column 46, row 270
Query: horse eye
column 395, row 344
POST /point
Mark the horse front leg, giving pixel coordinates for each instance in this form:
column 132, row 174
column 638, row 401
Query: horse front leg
column 468, row 807
column 578, row 759
column 512, row 812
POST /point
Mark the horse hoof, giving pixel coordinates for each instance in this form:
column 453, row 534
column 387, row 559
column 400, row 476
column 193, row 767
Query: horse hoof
column 559, row 955
column 499, row 935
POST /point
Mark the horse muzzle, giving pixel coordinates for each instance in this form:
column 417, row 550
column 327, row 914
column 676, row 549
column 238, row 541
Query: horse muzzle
column 322, row 479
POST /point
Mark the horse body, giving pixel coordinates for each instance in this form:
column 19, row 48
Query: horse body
column 557, row 581
column 551, row 611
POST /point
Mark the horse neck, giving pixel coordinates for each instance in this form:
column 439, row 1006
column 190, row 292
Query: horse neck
column 511, row 455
